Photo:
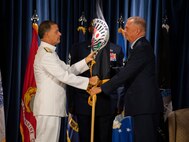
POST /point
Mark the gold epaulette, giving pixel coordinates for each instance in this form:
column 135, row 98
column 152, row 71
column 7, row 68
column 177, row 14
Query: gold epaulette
column 48, row 49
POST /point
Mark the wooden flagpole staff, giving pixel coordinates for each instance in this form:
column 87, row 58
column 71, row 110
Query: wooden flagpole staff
column 99, row 40
column 93, row 117
column 92, row 102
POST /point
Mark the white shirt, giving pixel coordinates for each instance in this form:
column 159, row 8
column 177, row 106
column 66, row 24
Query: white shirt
column 52, row 75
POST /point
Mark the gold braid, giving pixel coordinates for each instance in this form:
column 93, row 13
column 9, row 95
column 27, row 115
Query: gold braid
column 99, row 83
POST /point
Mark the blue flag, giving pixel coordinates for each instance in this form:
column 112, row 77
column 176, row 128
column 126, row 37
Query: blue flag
column 121, row 42
column 122, row 126
column 122, row 129
column 72, row 127
column 82, row 31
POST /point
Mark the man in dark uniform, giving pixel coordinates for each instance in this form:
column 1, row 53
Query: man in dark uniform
column 106, row 106
column 142, row 100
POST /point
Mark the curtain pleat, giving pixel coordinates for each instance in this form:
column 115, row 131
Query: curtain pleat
column 17, row 30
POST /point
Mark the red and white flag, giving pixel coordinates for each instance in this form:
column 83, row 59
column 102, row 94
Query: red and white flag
column 27, row 120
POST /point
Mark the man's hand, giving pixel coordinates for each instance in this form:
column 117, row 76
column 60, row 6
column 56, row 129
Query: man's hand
column 90, row 57
column 93, row 80
column 95, row 90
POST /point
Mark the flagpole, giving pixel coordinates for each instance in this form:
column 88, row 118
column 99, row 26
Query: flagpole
column 93, row 104
column 81, row 27
column 121, row 40
column 93, row 117
column 99, row 46
column 35, row 17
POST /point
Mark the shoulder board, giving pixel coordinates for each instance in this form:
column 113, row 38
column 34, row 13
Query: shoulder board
column 48, row 49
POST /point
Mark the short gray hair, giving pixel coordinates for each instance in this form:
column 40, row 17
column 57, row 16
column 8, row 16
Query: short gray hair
column 139, row 21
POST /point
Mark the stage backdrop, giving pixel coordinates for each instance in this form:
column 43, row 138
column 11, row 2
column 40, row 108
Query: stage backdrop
column 16, row 34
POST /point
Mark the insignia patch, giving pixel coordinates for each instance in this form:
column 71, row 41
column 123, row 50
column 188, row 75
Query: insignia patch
column 112, row 56
column 48, row 49
column 28, row 98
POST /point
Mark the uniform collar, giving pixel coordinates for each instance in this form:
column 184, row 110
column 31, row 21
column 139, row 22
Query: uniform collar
column 132, row 45
column 45, row 44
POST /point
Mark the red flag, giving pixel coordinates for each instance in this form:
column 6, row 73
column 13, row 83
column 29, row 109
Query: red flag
column 27, row 120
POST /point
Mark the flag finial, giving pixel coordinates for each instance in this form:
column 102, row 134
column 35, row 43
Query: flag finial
column 165, row 19
column 35, row 17
column 82, row 19
column 120, row 21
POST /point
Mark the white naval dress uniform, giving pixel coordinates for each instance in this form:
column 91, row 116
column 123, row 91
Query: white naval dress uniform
column 52, row 75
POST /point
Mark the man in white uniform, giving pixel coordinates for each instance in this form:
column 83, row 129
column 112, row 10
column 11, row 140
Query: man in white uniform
column 52, row 75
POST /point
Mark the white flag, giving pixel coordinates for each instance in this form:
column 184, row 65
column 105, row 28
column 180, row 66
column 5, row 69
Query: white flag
column 99, row 12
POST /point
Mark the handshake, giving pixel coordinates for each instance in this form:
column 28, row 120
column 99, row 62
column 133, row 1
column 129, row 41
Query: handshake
column 93, row 87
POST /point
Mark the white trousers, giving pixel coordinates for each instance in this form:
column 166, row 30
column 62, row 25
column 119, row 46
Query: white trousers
column 48, row 128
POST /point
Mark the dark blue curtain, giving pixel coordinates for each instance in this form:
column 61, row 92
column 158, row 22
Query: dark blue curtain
column 16, row 29
column 178, row 12
column 16, row 33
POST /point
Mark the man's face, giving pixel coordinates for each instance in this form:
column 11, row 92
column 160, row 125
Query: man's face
column 54, row 35
column 130, row 31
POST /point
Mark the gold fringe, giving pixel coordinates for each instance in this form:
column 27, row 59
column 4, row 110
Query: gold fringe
column 90, row 99
column 68, row 138
column 35, row 26
column 81, row 28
